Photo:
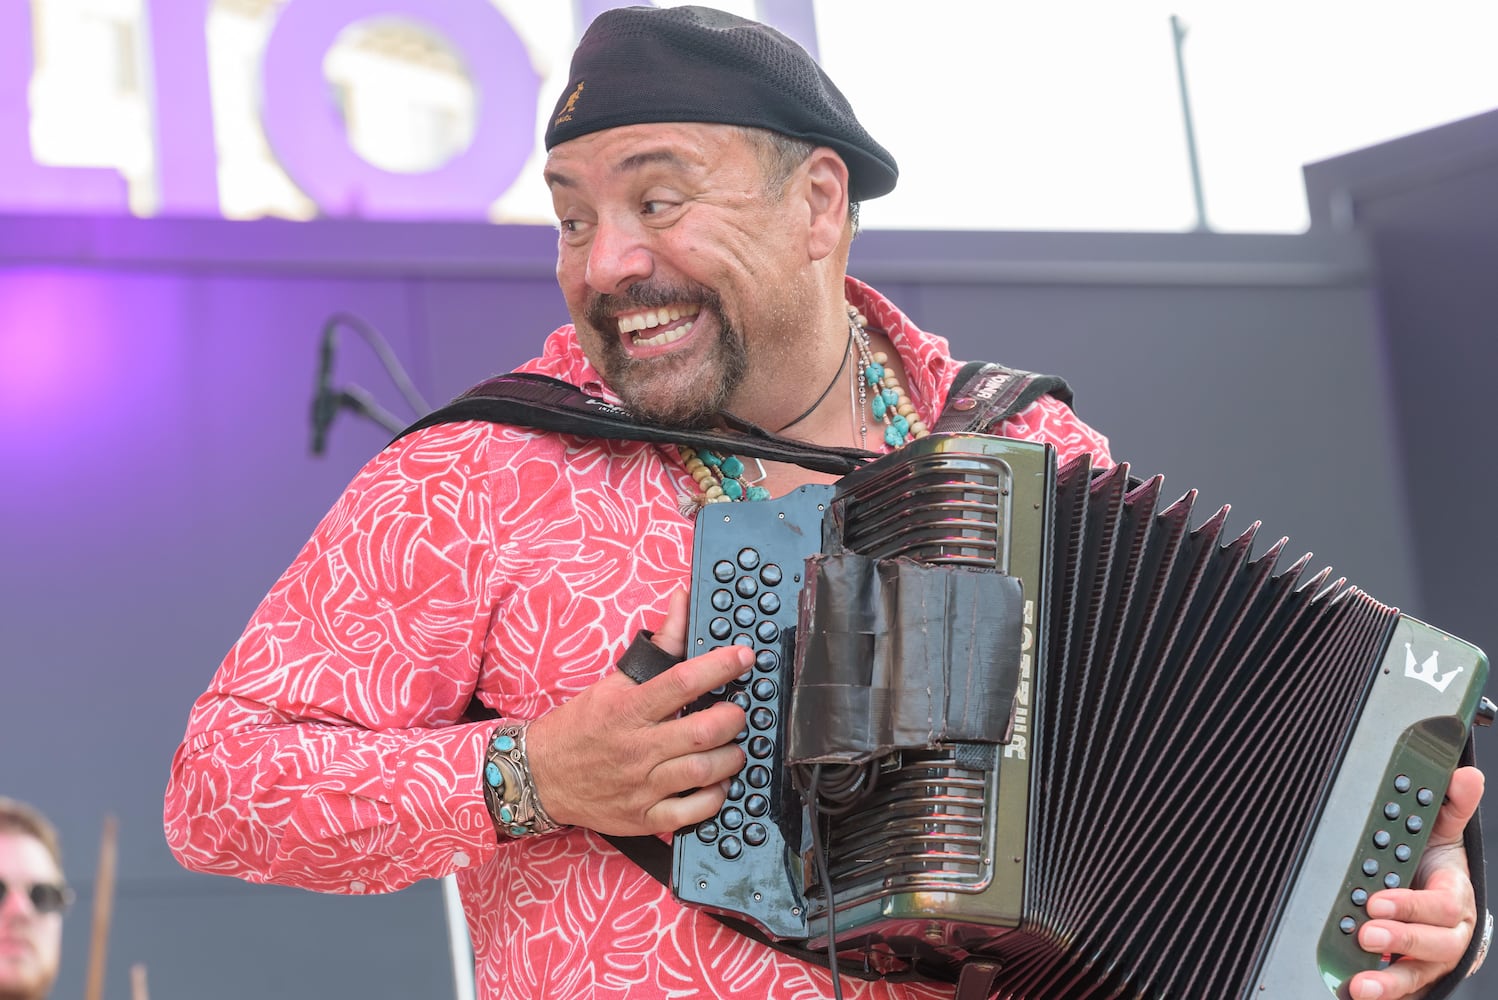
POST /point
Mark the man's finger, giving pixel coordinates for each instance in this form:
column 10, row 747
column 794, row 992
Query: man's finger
column 1462, row 796
column 666, row 694
column 671, row 637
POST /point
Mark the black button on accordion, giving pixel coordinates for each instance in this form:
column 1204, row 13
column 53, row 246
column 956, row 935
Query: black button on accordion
column 1188, row 769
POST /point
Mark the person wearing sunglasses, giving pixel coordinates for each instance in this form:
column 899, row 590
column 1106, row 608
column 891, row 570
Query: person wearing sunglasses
column 33, row 898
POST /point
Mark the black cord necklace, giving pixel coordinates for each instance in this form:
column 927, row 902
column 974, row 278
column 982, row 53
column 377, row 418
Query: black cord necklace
column 835, row 377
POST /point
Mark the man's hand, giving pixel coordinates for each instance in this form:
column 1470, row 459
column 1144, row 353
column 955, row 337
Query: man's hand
column 1429, row 926
column 618, row 760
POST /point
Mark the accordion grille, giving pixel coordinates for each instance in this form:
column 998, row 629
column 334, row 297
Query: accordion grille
column 922, row 829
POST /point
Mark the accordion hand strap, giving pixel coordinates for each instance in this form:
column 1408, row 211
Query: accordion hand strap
column 1477, row 867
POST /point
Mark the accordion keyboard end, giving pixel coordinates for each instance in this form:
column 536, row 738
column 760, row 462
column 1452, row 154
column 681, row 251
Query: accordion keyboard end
column 1377, row 820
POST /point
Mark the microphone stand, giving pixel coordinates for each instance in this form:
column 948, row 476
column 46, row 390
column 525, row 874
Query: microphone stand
column 329, row 400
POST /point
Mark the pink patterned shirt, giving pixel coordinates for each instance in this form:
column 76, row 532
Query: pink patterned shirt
column 329, row 752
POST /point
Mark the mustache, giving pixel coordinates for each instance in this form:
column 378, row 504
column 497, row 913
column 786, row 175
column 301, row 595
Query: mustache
column 602, row 307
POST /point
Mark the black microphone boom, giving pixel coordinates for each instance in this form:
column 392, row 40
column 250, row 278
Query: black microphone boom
column 324, row 399
column 328, row 400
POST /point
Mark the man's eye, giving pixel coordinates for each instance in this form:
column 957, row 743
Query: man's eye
column 654, row 207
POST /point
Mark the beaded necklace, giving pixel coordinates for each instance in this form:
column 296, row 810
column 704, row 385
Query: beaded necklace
column 723, row 479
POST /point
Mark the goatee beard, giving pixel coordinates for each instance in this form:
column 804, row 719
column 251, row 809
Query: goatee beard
column 670, row 391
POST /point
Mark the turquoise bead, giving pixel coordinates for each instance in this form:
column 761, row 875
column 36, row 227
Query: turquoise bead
column 893, row 436
column 732, row 488
column 758, row 493
column 878, row 407
column 710, row 459
column 891, row 398
column 901, row 423
column 504, row 743
column 732, row 467
column 874, row 373
column 493, row 775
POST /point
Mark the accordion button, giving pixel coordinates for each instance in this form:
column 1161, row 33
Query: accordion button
column 719, row 629
column 724, row 571
column 764, row 689
column 707, row 831
column 1348, row 925
column 1381, row 839
column 1403, row 852
column 766, row 660
column 1359, row 897
column 1414, row 824
column 746, row 586
column 770, row 576
column 722, row 600
column 1402, row 783
column 1370, row 867
column 748, row 558
column 741, row 699
column 735, row 789
column 768, row 631
column 754, row 834
column 758, row 776
column 732, row 818
column 769, row 604
column 761, row 718
column 1425, row 796
column 757, row 805
column 730, row 847
column 1391, row 880
column 1391, row 810
column 744, row 616
column 760, row 747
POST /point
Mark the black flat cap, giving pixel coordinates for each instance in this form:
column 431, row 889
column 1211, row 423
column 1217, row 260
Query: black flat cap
column 638, row 65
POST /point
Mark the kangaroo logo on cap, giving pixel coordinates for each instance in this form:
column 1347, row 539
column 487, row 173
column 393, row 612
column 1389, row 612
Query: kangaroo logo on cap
column 566, row 115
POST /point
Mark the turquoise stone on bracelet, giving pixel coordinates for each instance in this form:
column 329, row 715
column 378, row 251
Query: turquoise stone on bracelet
column 493, row 775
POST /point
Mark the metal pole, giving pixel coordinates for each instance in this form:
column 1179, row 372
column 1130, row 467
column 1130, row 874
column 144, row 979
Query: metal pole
column 1178, row 38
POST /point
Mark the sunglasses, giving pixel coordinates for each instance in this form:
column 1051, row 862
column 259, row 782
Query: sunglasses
column 46, row 898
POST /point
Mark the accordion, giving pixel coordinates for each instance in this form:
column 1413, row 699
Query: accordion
column 1030, row 715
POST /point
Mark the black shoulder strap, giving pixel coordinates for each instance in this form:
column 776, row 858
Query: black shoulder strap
column 528, row 400
column 984, row 395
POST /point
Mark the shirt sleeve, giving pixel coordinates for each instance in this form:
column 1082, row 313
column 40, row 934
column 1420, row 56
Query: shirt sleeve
column 1050, row 420
column 329, row 752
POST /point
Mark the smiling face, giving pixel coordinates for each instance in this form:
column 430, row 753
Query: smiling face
column 692, row 281
column 30, row 942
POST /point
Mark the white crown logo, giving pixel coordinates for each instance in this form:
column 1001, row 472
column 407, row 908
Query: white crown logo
column 1429, row 671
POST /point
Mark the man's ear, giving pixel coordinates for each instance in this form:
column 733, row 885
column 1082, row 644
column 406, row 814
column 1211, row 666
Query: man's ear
column 827, row 200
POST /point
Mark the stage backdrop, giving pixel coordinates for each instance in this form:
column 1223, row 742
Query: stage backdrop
column 155, row 384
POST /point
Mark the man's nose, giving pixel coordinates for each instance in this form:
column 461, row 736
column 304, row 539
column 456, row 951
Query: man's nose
column 617, row 258
column 16, row 903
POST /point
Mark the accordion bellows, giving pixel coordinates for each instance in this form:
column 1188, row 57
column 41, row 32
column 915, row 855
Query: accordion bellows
column 1207, row 763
